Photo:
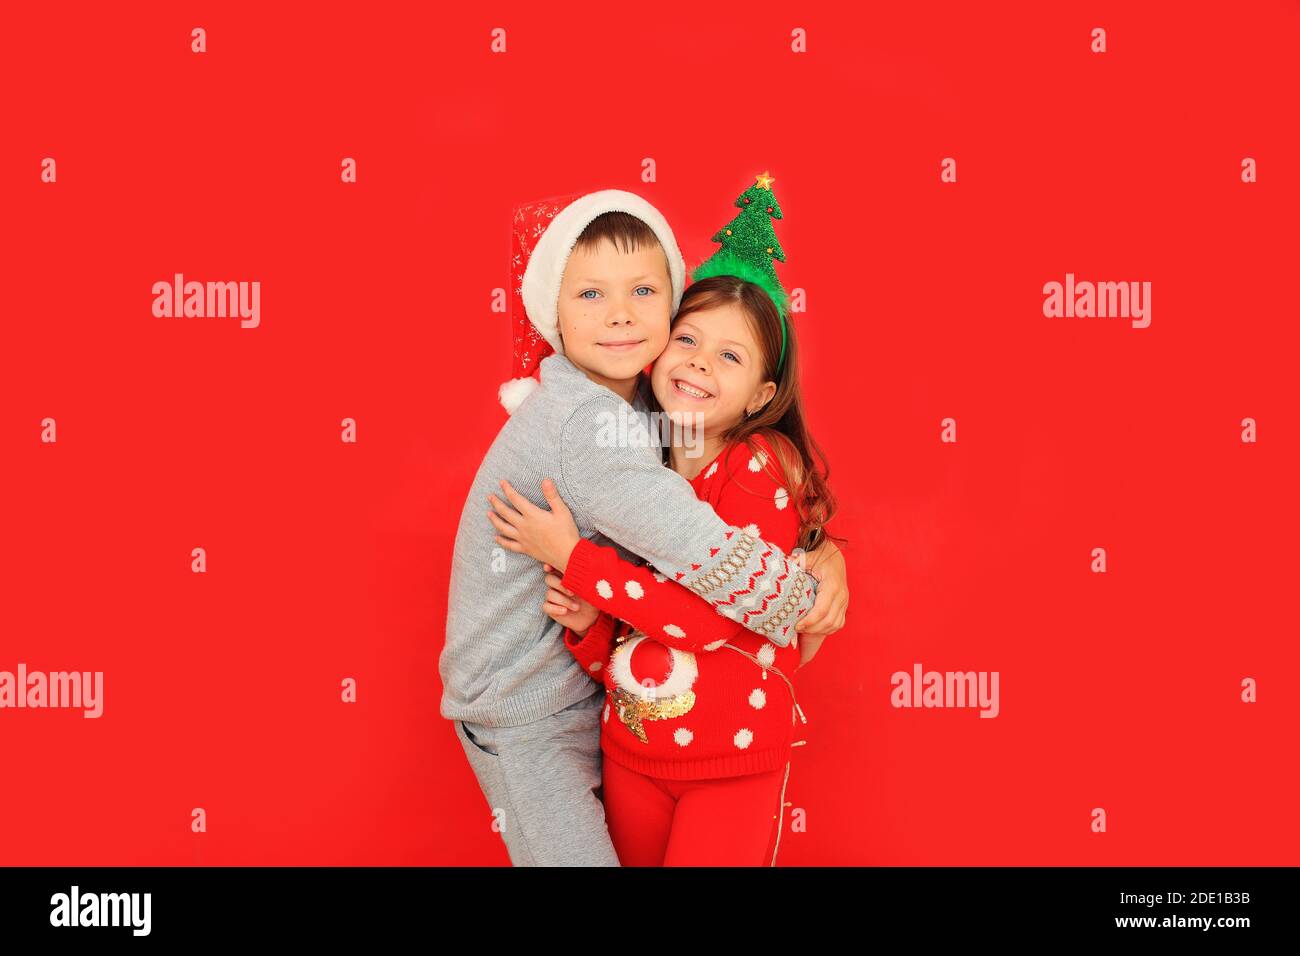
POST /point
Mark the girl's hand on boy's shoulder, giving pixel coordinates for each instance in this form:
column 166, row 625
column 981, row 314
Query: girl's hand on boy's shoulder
column 524, row 528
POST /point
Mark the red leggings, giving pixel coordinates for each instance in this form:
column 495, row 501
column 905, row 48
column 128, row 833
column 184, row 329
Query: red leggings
column 729, row 821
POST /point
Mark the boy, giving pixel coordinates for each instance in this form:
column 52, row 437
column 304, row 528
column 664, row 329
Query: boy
column 600, row 289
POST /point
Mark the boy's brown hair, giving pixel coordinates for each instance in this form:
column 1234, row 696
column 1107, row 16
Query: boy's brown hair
column 626, row 231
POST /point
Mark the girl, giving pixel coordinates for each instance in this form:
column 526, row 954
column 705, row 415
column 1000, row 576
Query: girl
column 701, row 713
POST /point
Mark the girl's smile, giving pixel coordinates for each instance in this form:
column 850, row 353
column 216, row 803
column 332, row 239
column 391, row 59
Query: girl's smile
column 690, row 390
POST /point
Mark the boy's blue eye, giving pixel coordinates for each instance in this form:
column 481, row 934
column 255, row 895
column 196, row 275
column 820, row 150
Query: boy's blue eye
column 734, row 357
column 685, row 338
column 646, row 287
column 583, row 293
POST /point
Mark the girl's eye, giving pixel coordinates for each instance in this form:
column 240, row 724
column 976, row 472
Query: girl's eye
column 647, row 289
column 685, row 339
column 583, row 293
column 734, row 357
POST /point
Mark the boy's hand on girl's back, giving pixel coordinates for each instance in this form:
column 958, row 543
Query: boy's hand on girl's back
column 566, row 608
column 827, row 616
column 809, row 645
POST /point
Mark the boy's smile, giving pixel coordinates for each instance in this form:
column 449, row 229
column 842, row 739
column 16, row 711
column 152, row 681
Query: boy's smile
column 621, row 345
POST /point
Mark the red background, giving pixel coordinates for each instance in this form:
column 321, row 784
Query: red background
column 326, row 560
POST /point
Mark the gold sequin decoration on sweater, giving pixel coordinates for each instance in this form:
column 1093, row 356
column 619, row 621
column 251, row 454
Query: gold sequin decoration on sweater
column 633, row 709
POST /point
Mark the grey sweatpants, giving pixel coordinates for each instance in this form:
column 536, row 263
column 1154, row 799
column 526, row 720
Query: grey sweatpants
column 542, row 782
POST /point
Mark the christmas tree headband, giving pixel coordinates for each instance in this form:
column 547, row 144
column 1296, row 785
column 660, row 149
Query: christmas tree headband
column 749, row 247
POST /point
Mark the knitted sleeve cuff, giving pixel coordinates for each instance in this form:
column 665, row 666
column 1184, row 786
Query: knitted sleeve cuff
column 593, row 648
column 579, row 572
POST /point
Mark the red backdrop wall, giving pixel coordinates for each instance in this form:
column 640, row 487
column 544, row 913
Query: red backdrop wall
column 326, row 560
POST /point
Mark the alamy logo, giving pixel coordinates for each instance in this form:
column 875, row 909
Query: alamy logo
column 197, row 300
column 1102, row 300
column 76, row 690
column 102, row 909
column 635, row 429
column 947, row 689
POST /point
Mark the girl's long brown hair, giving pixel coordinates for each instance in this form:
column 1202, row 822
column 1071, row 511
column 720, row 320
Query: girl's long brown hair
column 781, row 420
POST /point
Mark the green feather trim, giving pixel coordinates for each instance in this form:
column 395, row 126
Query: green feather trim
column 724, row 262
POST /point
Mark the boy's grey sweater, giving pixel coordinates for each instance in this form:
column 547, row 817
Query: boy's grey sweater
column 505, row 662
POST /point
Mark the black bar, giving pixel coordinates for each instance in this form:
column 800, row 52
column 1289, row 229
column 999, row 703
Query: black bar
column 542, row 907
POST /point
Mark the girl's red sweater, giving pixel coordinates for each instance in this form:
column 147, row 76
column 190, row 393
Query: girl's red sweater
column 691, row 694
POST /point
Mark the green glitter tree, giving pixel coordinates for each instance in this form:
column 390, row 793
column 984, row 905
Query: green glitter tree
column 749, row 243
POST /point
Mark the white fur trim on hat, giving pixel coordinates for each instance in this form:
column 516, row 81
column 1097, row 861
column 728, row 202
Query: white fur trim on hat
column 513, row 392
column 541, row 285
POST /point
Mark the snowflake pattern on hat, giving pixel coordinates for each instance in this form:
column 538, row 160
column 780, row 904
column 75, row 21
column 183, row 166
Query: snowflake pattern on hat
column 529, row 226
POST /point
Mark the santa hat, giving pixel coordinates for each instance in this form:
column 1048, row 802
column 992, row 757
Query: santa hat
column 544, row 234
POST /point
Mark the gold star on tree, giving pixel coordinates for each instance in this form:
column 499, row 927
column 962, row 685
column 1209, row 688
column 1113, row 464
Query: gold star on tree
column 764, row 180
